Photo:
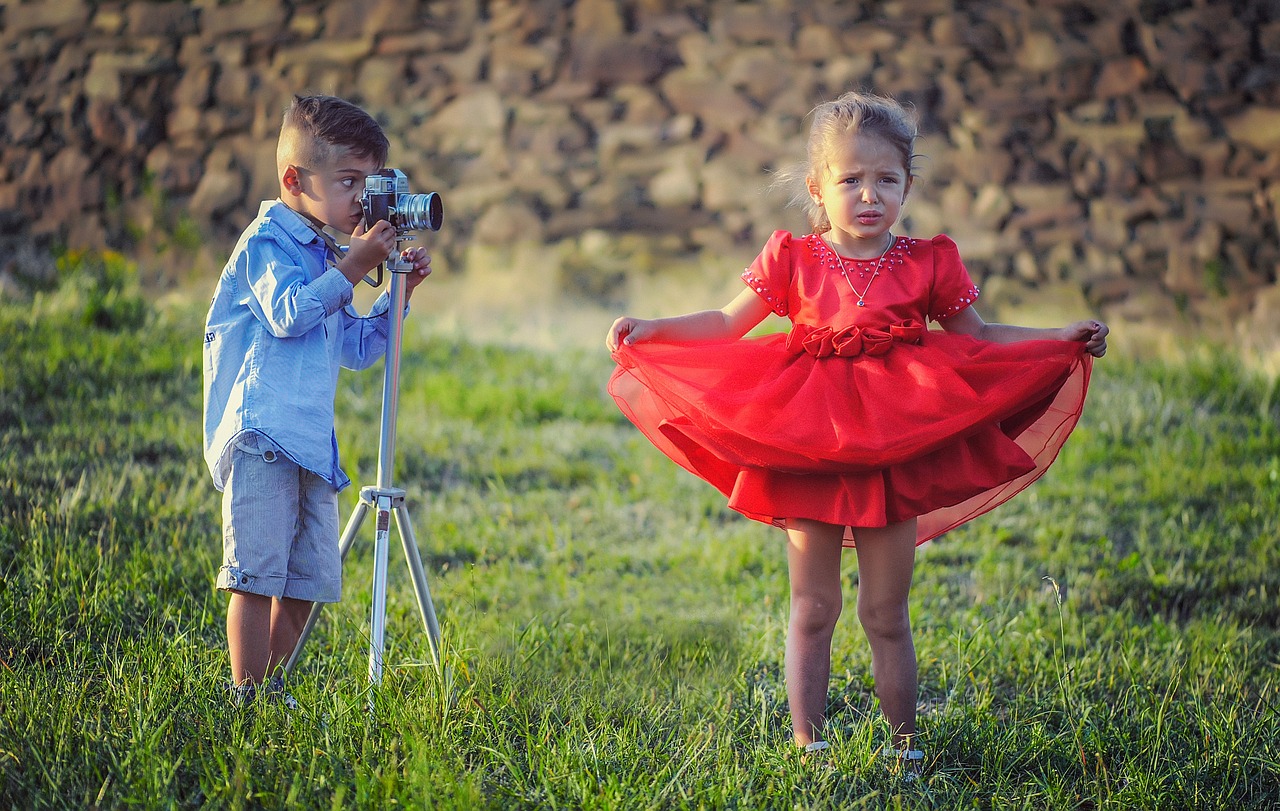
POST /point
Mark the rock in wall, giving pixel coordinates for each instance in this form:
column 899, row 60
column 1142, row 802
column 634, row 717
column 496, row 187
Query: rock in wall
column 1120, row 156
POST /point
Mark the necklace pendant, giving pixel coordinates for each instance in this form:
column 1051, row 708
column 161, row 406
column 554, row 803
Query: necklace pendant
column 862, row 274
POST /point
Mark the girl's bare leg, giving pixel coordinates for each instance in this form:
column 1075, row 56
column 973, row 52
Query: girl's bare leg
column 886, row 558
column 813, row 557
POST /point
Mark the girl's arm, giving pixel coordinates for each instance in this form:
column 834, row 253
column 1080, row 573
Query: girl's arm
column 730, row 322
column 968, row 322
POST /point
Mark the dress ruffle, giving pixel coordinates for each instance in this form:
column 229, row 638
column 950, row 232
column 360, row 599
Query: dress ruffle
column 920, row 424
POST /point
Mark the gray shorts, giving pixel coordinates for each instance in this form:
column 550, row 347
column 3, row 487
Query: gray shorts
column 279, row 527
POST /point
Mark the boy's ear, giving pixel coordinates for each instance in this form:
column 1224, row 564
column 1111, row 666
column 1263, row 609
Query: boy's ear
column 291, row 180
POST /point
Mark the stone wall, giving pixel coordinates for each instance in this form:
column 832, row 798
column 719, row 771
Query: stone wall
column 1119, row 157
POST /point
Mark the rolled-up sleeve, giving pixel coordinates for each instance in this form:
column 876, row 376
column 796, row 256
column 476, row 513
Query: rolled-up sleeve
column 283, row 298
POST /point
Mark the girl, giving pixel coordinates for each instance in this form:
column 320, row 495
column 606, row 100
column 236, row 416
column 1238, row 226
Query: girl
column 860, row 424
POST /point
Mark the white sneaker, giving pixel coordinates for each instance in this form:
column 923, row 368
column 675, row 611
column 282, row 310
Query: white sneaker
column 276, row 694
column 242, row 695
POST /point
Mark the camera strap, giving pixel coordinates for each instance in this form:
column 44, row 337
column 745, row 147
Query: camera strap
column 330, row 242
column 336, row 250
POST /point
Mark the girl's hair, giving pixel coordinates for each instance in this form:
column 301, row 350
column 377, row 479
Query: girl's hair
column 851, row 114
column 315, row 128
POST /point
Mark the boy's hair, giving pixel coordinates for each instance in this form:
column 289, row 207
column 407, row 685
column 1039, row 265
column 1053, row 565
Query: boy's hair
column 316, row 128
column 853, row 113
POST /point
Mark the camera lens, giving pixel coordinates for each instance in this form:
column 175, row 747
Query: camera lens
column 417, row 212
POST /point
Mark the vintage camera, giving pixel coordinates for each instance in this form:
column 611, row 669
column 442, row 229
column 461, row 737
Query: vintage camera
column 387, row 197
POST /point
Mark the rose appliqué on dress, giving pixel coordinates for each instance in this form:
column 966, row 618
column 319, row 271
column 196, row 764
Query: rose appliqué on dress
column 851, row 341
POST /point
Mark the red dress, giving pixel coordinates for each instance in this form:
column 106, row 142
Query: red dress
column 859, row 416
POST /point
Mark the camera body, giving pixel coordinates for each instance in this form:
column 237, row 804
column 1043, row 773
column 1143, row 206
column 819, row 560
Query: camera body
column 387, row 197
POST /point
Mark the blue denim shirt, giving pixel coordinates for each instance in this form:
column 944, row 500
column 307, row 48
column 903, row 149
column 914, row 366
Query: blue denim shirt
column 279, row 327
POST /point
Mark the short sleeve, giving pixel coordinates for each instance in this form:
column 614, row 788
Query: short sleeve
column 953, row 289
column 770, row 273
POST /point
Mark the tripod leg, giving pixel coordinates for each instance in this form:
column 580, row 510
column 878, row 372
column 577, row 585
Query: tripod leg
column 344, row 546
column 414, row 559
column 378, row 614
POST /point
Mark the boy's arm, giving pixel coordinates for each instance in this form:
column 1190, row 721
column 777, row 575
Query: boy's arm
column 283, row 297
column 367, row 250
column 292, row 304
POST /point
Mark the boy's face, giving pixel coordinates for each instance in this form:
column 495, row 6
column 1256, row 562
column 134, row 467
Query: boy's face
column 329, row 194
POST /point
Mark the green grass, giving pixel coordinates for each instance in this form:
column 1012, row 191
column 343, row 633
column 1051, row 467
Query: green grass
column 613, row 634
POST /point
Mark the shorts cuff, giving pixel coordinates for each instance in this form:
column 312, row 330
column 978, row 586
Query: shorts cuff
column 314, row 592
column 233, row 578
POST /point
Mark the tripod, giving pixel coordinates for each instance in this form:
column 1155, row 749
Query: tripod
column 386, row 501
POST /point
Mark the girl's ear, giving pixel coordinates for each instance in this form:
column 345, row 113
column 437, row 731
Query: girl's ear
column 906, row 188
column 815, row 191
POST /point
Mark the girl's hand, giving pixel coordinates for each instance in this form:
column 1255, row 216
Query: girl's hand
column 627, row 330
column 421, row 263
column 1093, row 333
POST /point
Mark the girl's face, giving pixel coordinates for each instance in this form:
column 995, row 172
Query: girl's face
column 862, row 192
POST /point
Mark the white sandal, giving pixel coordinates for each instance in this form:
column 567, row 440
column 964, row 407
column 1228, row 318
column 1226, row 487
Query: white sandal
column 906, row 762
column 818, row 755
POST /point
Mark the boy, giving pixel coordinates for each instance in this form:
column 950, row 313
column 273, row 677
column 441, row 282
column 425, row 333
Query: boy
column 279, row 327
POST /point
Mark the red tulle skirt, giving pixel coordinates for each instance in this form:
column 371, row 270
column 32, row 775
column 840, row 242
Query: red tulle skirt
column 942, row 430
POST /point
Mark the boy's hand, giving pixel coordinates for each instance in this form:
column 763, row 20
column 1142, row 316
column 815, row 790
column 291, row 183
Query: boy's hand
column 367, row 250
column 421, row 268
column 1093, row 333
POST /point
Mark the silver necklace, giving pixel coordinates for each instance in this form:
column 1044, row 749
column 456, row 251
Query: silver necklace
column 862, row 297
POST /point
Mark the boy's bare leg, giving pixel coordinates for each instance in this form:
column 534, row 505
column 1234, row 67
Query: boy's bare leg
column 288, row 616
column 813, row 559
column 248, row 636
column 886, row 558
